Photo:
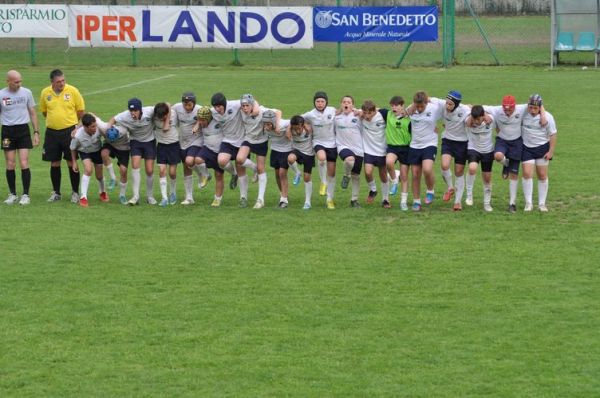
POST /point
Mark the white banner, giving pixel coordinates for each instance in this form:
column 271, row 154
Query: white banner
column 190, row 27
column 30, row 20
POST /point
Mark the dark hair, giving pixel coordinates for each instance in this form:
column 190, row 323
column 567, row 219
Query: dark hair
column 55, row 73
column 296, row 120
column 397, row 100
column 421, row 97
column 218, row 99
column 161, row 110
column 368, row 106
column 477, row 111
column 87, row 119
column 347, row 96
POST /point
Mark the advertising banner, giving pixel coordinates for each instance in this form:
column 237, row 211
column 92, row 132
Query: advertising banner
column 30, row 20
column 361, row 24
column 191, row 27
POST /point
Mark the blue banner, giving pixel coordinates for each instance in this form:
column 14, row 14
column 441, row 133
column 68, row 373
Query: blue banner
column 359, row 24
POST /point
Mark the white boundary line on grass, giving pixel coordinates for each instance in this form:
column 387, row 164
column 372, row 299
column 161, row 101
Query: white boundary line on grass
column 128, row 85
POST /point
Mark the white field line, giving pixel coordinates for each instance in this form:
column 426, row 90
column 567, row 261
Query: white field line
column 128, row 85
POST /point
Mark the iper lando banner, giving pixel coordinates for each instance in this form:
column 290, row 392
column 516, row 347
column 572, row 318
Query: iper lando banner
column 190, row 27
column 361, row 24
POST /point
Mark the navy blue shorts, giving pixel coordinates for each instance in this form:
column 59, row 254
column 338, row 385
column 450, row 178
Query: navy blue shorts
column 279, row 160
column 535, row 153
column 192, row 151
column 486, row 159
column 378, row 161
column 417, row 156
column 230, row 149
column 258, row 149
column 456, row 149
column 121, row 156
column 358, row 160
column 210, row 158
column 401, row 151
column 147, row 150
column 330, row 153
column 168, row 153
column 95, row 157
column 306, row 160
column 512, row 149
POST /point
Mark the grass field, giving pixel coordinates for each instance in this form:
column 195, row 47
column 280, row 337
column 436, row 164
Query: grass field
column 117, row 301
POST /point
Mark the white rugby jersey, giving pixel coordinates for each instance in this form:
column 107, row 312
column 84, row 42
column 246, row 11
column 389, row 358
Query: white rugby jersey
column 481, row 137
column 83, row 142
column 139, row 130
column 185, row 122
column 347, row 133
column 14, row 106
column 231, row 123
column 454, row 122
column 213, row 136
column 253, row 127
column 535, row 135
column 166, row 137
column 373, row 134
column 423, row 126
column 303, row 142
column 509, row 127
column 278, row 141
column 323, row 132
column 122, row 141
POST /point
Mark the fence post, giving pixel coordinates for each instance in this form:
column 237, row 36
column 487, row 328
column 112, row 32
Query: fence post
column 448, row 41
column 236, row 56
column 339, row 63
column 32, row 44
column 134, row 59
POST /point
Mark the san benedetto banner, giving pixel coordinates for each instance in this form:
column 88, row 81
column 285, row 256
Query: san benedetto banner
column 358, row 24
column 190, row 27
column 26, row 20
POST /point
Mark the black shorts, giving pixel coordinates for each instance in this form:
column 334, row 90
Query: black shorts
column 146, row 150
column 210, row 159
column 486, row 159
column 230, row 149
column 190, row 152
column 121, row 155
column 401, row 152
column 257, row 149
column 330, row 153
column 378, row 161
column 307, row 161
column 358, row 160
column 57, row 143
column 456, row 149
column 168, row 153
column 537, row 152
column 279, row 160
column 16, row 137
column 95, row 157
column 416, row 156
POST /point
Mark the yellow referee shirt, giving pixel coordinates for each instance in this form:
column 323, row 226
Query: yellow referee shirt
column 61, row 109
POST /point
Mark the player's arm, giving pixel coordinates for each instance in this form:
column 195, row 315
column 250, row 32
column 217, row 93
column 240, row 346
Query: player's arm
column 550, row 153
column 73, row 146
column 196, row 129
column 35, row 124
column 543, row 119
column 277, row 119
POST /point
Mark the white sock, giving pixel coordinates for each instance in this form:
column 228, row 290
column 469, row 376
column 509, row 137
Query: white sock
column 203, row 170
column 460, row 188
column 487, row 193
column 111, row 171
column 188, row 184
column 528, row 190
column 85, row 183
column 282, row 199
column 330, row 187
column 307, row 191
column 513, row 186
column 163, row 187
column 395, row 178
column 262, row 186
column 122, row 189
column 101, row 185
column 372, row 186
column 447, row 176
column 249, row 164
column 355, row 186
column 230, row 169
column 470, row 183
column 348, row 166
column 243, row 184
column 149, row 186
column 135, row 182
column 542, row 191
column 173, row 185
column 295, row 168
column 403, row 197
column 323, row 171
column 385, row 190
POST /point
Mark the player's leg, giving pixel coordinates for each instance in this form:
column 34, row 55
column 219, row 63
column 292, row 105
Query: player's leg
column 136, row 164
column 10, row 157
column 162, row 180
column 390, row 163
column 322, row 165
column 528, row 170
column 108, row 166
column 472, row 172
column 262, row 179
column 542, row 176
column 429, row 174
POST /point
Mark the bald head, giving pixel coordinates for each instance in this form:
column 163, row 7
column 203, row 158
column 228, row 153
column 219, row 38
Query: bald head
column 14, row 80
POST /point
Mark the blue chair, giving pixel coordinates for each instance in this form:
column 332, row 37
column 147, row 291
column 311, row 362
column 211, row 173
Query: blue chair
column 586, row 41
column 564, row 42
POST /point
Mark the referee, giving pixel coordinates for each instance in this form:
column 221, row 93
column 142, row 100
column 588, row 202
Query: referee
column 17, row 109
column 62, row 105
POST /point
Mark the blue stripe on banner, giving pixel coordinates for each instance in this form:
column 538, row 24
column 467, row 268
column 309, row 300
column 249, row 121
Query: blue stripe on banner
column 359, row 24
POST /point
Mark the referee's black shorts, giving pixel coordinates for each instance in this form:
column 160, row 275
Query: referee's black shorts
column 57, row 143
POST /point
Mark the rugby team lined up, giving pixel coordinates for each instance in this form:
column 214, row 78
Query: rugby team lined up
column 222, row 137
